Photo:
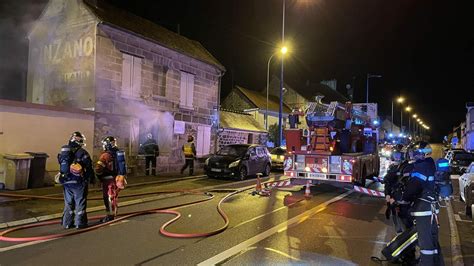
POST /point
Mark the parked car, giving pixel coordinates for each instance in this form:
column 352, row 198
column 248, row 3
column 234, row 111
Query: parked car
column 239, row 161
column 466, row 185
column 450, row 152
column 278, row 157
column 459, row 161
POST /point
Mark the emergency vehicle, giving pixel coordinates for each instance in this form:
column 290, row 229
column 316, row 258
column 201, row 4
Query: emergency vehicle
column 339, row 146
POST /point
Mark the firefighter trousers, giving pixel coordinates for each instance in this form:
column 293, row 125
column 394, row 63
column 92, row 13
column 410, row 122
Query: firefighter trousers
column 75, row 205
column 430, row 251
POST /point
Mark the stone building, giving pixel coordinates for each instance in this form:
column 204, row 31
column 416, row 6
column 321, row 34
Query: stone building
column 239, row 127
column 136, row 76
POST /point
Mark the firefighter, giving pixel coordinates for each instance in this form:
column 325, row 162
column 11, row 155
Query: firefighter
column 189, row 150
column 420, row 191
column 151, row 151
column 75, row 173
column 391, row 183
column 111, row 170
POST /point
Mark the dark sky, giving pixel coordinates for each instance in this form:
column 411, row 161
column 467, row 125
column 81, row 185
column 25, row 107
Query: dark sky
column 423, row 49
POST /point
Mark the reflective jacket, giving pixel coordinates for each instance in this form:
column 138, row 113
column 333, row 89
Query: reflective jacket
column 420, row 189
column 189, row 149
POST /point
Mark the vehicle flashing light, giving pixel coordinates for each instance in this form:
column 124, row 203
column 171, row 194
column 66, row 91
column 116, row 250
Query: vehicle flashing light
column 390, row 135
column 307, row 169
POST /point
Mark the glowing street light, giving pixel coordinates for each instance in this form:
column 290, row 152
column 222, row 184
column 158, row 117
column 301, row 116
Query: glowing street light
column 400, row 100
column 414, row 116
column 408, row 109
column 283, row 50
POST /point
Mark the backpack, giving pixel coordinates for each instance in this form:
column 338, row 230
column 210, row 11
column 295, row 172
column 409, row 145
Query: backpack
column 68, row 163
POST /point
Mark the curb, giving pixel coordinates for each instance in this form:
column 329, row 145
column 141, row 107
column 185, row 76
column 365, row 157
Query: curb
column 100, row 208
column 456, row 253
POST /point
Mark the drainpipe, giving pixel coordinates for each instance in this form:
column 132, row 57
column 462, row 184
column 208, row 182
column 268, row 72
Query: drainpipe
column 216, row 144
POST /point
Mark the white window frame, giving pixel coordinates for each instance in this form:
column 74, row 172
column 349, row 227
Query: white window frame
column 186, row 95
column 131, row 75
column 203, row 141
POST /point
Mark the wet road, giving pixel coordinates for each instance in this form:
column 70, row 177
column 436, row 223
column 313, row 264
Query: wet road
column 335, row 226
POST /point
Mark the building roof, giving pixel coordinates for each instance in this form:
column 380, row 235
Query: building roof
column 260, row 101
column 113, row 16
column 239, row 121
column 309, row 92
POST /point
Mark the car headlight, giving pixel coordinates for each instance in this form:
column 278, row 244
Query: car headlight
column 207, row 161
column 234, row 164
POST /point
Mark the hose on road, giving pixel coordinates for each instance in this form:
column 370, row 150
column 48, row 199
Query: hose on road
column 166, row 210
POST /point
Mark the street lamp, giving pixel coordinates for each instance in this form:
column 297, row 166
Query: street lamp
column 280, row 111
column 400, row 100
column 408, row 109
column 368, row 77
column 283, row 51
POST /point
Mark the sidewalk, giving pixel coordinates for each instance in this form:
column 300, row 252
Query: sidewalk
column 58, row 189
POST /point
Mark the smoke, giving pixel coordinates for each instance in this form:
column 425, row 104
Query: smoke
column 159, row 123
column 16, row 19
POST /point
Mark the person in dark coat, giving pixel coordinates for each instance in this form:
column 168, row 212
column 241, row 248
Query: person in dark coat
column 75, row 174
column 151, row 151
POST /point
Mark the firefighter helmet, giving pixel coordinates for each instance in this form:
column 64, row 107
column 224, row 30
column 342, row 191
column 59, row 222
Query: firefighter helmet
column 77, row 139
column 108, row 143
column 421, row 148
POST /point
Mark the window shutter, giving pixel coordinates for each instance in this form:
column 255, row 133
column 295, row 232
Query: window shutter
column 207, row 140
column 137, row 75
column 126, row 73
column 182, row 95
column 200, row 141
column 190, row 90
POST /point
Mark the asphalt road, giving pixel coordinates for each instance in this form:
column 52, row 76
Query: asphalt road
column 334, row 227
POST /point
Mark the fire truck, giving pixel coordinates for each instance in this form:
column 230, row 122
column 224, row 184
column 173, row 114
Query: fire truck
column 339, row 146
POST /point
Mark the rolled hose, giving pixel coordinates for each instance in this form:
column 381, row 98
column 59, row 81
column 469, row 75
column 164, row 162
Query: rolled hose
column 166, row 210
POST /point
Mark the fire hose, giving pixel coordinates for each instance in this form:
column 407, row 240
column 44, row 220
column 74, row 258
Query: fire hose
column 166, row 210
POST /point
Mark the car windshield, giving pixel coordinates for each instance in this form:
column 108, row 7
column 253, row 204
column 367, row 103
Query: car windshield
column 233, row 150
column 278, row 151
column 467, row 158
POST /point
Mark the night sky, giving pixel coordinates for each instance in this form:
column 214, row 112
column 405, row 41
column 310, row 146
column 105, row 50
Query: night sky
column 423, row 50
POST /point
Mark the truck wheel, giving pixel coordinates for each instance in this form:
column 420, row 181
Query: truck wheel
column 363, row 178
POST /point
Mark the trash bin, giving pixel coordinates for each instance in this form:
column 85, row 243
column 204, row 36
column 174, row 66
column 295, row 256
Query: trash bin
column 37, row 169
column 17, row 170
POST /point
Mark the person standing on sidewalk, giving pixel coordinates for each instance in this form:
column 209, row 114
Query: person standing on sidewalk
column 151, row 151
column 421, row 192
column 189, row 150
column 111, row 170
column 75, row 172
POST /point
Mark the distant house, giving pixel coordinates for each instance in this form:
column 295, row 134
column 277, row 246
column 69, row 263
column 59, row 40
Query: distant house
column 238, row 127
column 255, row 103
column 297, row 98
column 136, row 76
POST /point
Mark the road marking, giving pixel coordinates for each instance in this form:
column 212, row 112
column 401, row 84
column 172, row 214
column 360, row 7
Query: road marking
column 456, row 254
column 276, row 229
column 23, row 245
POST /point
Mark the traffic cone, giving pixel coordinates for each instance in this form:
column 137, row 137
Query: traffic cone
column 258, row 187
column 307, row 191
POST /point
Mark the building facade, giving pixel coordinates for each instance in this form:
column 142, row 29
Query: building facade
column 136, row 76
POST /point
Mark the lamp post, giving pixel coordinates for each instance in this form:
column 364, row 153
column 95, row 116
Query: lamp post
column 367, row 85
column 414, row 124
column 280, row 114
column 400, row 100
column 268, row 81
column 408, row 109
column 283, row 51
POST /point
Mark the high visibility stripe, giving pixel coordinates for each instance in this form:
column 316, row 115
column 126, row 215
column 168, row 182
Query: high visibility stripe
column 429, row 251
column 410, row 240
column 422, row 177
column 425, row 213
column 65, row 149
column 108, row 177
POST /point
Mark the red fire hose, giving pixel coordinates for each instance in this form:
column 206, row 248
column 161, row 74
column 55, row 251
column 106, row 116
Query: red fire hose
column 167, row 210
